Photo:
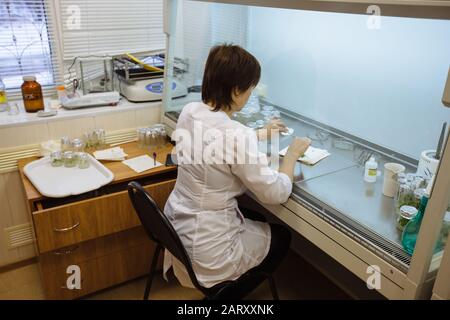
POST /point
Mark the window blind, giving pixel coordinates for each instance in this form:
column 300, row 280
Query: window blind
column 28, row 44
column 100, row 27
column 91, row 28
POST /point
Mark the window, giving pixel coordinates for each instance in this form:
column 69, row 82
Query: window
column 25, row 45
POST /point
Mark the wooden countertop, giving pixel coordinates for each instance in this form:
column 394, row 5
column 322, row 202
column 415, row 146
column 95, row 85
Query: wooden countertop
column 121, row 172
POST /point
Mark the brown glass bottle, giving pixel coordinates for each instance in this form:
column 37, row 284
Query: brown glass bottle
column 32, row 94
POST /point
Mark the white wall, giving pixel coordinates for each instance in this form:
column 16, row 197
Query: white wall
column 383, row 85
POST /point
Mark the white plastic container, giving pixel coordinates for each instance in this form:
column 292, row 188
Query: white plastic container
column 371, row 170
column 427, row 164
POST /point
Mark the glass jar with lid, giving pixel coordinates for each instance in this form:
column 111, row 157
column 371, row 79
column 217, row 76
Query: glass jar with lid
column 70, row 159
column 83, row 160
column 77, row 145
column 406, row 213
column 32, row 94
column 56, row 159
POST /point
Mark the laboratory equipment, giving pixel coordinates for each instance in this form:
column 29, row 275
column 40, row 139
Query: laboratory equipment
column 91, row 100
column 142, row 80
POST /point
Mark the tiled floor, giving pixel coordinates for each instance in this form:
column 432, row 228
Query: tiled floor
column 295, row 279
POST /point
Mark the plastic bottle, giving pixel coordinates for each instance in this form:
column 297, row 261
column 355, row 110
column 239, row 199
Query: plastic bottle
column 411, row 231
column 370, row 170
column 3, row 99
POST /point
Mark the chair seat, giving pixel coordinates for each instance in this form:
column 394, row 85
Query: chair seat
column 236, row 289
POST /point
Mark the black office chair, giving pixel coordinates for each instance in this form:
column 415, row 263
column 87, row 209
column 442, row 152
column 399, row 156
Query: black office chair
column 160, row 230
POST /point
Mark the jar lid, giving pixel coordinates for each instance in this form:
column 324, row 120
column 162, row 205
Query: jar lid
column 408, row 211
column 68, row 154
column 29, row 78
column 77, row 142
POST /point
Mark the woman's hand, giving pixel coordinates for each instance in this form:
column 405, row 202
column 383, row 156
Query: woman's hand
column 274, row 124
column 296, row 149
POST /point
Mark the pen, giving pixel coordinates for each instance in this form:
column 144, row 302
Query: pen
column 154, row 158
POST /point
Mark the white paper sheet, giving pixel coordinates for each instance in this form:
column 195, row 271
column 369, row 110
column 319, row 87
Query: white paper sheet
column 141, row 163
column 112, row 154
column 311, row 156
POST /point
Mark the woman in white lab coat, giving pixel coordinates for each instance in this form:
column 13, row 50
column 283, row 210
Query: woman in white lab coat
column 223, row 241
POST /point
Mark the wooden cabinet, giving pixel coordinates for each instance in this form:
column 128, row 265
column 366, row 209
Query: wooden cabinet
column 89, row 219
column 99, row 231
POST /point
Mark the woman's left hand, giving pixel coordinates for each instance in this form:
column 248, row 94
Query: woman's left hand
column 274, row 124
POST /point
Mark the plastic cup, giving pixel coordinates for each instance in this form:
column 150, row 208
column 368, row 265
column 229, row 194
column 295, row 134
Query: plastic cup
column 390, row 178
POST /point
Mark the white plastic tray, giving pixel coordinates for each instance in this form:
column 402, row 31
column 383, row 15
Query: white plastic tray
column 58, row 182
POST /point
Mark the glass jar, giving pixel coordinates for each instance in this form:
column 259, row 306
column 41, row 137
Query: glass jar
column 100, row 137
column 56, row 159
column 418, row 194
column 66, row 144
column 406, row 213
column 77, row 145
column 32, row 94
column 141, row 137
column 83, row 160
column 70, row 159
column 404, row 196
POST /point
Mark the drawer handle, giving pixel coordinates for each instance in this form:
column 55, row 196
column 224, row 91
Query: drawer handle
column 65, row 251
column 67, row 229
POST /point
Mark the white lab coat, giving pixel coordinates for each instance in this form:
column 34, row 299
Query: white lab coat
column 202, row 208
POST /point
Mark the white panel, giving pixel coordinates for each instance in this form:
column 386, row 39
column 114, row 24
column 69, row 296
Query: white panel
column 73, row 128
column 116, row 120
column 148, row 116
column 23, row 135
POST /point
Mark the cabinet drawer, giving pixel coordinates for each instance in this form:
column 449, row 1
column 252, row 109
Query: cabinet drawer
column 100, row 273
column 88, row 250
column 92, row 218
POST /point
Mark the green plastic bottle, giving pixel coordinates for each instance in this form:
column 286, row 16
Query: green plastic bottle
column 411, row 231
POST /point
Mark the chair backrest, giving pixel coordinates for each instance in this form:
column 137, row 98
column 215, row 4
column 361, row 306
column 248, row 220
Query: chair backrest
column 159, row 228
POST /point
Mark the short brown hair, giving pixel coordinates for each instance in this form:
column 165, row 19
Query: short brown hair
column 227, row 68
